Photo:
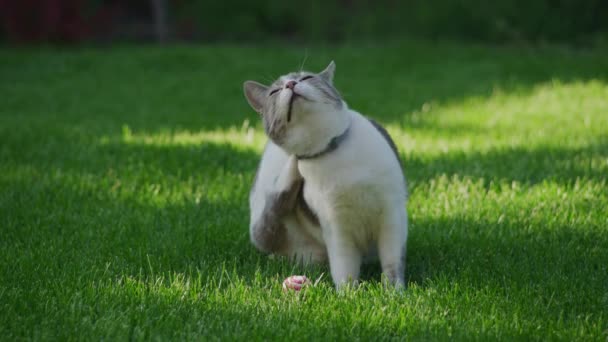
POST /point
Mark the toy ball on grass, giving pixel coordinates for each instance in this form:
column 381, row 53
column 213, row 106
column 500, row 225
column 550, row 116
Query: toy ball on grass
column 295, row 283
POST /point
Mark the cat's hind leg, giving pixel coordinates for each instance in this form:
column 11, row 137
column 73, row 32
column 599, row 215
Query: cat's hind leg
column 392, row 239
column 267, row 227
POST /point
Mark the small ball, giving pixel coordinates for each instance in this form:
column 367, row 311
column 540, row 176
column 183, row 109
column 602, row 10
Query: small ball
column 295, row 283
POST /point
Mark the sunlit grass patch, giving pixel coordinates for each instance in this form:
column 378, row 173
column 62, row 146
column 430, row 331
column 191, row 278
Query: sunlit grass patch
column 556, row 113
column 244, row 137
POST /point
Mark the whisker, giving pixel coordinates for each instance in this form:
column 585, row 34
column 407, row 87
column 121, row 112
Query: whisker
column 305, row 58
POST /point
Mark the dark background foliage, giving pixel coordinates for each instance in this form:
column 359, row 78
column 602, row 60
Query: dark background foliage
column 76, row 21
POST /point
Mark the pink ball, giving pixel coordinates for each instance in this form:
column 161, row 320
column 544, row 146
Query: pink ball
column 296, row 283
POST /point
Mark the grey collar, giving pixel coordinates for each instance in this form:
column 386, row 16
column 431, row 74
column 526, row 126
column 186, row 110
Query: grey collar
column 334, row 143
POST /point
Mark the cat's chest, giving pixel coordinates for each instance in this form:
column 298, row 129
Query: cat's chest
column 344, row 201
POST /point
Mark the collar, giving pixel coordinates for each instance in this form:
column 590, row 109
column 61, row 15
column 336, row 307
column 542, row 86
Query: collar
column 334, row 143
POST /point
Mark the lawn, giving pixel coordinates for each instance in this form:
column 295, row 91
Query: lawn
column 125, row 172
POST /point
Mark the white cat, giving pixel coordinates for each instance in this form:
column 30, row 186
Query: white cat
column 330, row 184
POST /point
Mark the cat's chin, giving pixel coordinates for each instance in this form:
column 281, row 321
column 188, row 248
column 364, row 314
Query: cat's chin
column 297, row 105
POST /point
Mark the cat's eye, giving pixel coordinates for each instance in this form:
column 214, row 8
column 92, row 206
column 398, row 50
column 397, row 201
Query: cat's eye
column 273, row 92
column 306, row 78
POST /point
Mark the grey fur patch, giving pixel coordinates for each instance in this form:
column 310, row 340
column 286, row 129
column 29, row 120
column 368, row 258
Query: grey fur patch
column 328, row 90
column 276, row 130
column 269, row 233
column 274, row 124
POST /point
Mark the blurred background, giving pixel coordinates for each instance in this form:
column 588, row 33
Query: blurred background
column 583, row 22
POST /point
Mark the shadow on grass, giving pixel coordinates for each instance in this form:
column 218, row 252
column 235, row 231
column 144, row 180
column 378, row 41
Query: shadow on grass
column 479, row 253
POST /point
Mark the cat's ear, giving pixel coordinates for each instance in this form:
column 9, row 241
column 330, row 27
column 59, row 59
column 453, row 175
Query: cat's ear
column 255, row 93
column 328, row 73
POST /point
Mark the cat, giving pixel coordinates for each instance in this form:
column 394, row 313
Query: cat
column 329, row 186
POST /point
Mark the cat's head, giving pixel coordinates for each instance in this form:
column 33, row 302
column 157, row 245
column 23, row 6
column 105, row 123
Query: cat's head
column 301, row 110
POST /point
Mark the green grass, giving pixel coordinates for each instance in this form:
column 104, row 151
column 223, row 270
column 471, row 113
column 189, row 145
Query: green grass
column 124, row 176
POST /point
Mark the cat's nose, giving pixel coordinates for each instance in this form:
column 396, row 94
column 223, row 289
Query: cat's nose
column 291, row 84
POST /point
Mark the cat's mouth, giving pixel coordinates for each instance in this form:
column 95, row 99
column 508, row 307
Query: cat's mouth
column 294, row 96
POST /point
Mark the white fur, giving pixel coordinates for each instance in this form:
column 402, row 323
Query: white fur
column 358, row 190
